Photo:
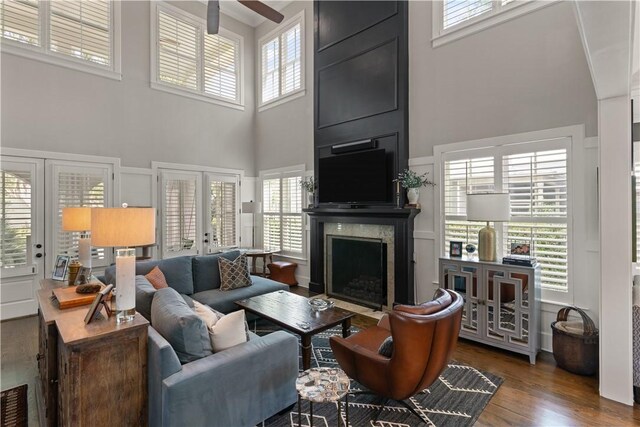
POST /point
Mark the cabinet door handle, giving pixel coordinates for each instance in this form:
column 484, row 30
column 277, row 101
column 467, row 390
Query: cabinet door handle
column 39, row 356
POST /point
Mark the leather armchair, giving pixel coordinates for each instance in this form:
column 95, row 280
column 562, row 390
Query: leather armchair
column 424, row 338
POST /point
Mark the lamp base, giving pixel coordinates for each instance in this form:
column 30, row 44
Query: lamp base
column 124, row 316
column 487, row 244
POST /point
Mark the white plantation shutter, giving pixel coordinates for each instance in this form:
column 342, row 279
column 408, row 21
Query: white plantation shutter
column 15, row 216
column 19, row 21
column 224, row 214
column 636, row 171
column 78, row 186
column 282, row 214
column 177, row 51
column 291, row 60
column 82, row 29
column 281, row 62
column 537, row 185
column 271, row 70
column 457, row 11
column 179, row 214
column 221, row 66
column 463, row 177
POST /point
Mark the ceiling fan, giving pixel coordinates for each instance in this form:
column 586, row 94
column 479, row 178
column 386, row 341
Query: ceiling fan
column 213, row 13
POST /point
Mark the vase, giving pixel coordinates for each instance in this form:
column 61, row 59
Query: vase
column 310, row 197
column 413, row 194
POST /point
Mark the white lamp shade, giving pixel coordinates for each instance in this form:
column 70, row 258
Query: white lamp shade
column 251, row 207
column 488, row 207
column 126, row 227
column 76, row 219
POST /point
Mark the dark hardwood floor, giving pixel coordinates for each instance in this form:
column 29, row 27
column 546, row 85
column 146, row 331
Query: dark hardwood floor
column 534, row 395
column 540, row 395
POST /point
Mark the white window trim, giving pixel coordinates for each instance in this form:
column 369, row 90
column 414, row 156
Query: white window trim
column 157, row 6
column 43, row 54
column 576, row 135
column 284, row 172
column 281, row 29
column 481, row 22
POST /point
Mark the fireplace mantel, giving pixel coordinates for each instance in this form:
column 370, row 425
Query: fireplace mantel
column 402, row 222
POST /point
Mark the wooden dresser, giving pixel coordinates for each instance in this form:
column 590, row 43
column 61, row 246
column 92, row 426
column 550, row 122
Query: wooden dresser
column 90, row 375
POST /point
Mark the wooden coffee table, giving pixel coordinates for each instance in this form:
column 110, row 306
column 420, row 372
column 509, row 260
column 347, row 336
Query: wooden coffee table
column 293, row 313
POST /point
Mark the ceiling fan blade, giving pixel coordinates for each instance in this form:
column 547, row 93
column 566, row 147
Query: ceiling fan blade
column 213, row 16
column 264, row 10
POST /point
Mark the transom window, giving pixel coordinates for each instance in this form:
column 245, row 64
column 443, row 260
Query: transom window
column 188, row 61
column 82, row 33
column 282, row 61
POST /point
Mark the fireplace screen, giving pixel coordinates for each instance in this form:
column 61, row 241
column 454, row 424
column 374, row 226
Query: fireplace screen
column 357, row 270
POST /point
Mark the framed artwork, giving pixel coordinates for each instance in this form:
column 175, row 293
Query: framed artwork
column 83, row 277
column 455, row 249
column 521, row 249
column 100, row 299
column 60, row 267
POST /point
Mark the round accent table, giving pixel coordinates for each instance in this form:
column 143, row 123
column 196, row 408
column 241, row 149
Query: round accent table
column 322, row 385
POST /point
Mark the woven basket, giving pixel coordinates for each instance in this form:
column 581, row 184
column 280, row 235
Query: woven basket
column 575, row 352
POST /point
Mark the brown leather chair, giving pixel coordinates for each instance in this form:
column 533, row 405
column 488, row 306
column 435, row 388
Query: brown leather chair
column 424, row 338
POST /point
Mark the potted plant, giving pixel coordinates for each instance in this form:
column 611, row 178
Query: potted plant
column 308, row 184
column 412, row 182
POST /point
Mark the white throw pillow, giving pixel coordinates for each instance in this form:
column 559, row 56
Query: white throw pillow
column 206, row 314
column 228, row 331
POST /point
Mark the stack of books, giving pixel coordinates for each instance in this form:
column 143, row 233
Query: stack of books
column 524, row 261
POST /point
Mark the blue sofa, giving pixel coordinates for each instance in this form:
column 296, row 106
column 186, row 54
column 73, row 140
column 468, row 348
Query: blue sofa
column 240, row 386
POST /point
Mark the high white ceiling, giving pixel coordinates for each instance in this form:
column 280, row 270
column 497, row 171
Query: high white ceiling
column 243, row 14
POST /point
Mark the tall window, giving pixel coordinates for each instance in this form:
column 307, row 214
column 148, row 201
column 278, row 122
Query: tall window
column 282, row 60
column 15, row 216
column 282, row 212
column 192, row 62
column 84, row 33
column 536, row 179
column 180, row 217
column 223, row 212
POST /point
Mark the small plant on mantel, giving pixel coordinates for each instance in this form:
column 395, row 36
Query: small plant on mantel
column 410, row 179
column 309, row 185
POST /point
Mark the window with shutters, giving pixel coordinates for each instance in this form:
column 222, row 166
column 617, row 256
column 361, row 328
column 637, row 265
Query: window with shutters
column 454, row 19
column 83, row 35
column 282, row 61
column 78, row 186
column 15, row 217
column 283, row 229
column 180, row 214
column 223, row 211
column 535, row 176
column 188, row 61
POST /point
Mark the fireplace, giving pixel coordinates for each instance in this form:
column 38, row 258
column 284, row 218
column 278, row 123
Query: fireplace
column 357, row 270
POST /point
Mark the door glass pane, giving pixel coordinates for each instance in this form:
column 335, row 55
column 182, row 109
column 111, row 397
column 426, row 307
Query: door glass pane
column 223, row 213
column 180, row 215
column 15, row 217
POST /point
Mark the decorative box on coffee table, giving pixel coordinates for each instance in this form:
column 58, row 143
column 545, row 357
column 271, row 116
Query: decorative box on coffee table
column 501, row 302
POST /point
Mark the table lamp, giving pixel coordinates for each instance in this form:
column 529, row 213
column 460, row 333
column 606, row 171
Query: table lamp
column 124, row 228
column 253, row 208
column 487, row 207
column 79, row 219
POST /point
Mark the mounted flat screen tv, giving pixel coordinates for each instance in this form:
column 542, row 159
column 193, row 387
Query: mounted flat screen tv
column 354, row 178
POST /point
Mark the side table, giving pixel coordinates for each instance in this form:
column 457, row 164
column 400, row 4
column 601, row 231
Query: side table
column 322, row 385
column 254, row 254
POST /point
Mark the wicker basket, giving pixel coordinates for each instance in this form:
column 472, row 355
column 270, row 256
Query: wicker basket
column 575, row 352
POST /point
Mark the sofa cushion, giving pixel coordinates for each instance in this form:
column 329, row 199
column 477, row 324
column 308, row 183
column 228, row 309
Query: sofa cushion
column 206, row 273
column 144, row 296
column 180, row 326
column 228, row 332
column 156, row 278
column 234, row 274
column 177, row 271
column 223, row 301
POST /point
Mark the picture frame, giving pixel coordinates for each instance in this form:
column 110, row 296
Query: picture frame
column 60, row 267
column 100, row 299
column 455, row 249
column 83, row 277
column 521, row 249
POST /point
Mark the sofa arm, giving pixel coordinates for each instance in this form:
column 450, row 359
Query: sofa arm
column 240, row 386
column 162, row 362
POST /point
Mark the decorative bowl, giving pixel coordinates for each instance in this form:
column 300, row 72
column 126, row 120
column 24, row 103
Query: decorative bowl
column 320, row 304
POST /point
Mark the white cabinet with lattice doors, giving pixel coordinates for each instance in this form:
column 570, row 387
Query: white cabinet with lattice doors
column 501, row 302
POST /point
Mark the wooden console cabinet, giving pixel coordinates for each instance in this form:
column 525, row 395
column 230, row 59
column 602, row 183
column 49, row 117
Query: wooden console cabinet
column 90, row 375
column 501, row 303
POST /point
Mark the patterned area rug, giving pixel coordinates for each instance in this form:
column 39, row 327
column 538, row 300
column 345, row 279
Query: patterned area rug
column 456, row 399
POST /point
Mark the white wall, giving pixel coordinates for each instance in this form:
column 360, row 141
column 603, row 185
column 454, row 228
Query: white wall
column 46, row 107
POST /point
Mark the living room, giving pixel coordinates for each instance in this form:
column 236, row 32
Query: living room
column 213, row 129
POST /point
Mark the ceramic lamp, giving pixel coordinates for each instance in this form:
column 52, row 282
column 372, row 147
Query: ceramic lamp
column 488, row 207
column 79, row 219
column 124, row 227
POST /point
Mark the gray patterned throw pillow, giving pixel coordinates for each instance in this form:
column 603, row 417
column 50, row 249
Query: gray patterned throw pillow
column 234, row 274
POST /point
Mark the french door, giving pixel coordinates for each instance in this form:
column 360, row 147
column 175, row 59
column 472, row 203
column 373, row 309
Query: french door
column 198, row 212
column 22, row 261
